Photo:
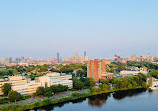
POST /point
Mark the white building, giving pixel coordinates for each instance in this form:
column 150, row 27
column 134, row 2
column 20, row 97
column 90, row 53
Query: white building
column 25, row 87
column 55, row 79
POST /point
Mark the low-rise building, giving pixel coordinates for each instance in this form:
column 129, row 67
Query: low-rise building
column 55, row 79
column 126, row 72
column 26, row 87
column 14, row 81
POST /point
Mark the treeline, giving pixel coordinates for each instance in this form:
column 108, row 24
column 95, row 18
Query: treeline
column 149, row 65
column 49, row 91
column 137, row 81
column 6, row 72
column 69, row 68
column 154, row 74
column 82, row 83
column 117, row 67
column 130, row 82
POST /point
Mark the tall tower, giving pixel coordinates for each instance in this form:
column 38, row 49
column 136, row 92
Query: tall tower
column 84, row 54
column 1, row 61
column 76, row 56
column 58, row 56
column 10, row 59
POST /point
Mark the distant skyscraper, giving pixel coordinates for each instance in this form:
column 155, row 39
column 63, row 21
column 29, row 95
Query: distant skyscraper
column 58, row 56
column 1, row 61
column 84, row 54
column 81, row 60
column 143, row 57
column 6, row 61
column 134, row 57
column 76, row 56
column 10, row 59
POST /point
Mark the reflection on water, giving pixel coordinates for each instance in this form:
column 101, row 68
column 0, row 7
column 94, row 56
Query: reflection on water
column 129, row 93
column 98, row 100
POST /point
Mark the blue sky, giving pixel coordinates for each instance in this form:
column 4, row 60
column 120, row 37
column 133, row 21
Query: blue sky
column 41, row 28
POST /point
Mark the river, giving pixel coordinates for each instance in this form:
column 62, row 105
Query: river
column 133, row 100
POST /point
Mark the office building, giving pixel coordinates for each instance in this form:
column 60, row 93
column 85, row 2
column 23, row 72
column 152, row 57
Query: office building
column 26, row 87
column 1, row 61
column 58, row 57
column 76, row 56
column 14, row 81
column 55, row 79
column 85, row 54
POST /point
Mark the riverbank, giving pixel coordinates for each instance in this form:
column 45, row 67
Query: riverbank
column 51, row 101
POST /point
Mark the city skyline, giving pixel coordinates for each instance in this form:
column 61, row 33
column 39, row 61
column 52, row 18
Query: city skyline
column 60, row 55
column 102, row 28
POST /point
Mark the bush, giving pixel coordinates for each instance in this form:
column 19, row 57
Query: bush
column 76, row 94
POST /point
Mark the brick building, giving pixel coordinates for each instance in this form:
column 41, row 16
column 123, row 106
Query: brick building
column 96, row 69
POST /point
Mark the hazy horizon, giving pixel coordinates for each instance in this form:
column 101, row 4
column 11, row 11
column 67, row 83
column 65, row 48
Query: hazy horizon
column 101, row 28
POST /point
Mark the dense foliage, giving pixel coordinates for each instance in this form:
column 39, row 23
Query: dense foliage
column 49, row 91
column 14, row 96
column 154, row 74
column 6, row 88
column 137, row 81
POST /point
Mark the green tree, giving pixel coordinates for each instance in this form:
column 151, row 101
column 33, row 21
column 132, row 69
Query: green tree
column 48, row 94
column 15, row 72
column 134, row 84
column 154, row 74
column 144, row 85
column 93, row 89
column 6, row 88
column 14, row 96
column 78, row 85
column 98, row 90
column 40, row 91
column 92, row 82
column 129, row 86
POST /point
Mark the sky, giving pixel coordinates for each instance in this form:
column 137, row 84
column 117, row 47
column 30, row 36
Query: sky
column 102, row 28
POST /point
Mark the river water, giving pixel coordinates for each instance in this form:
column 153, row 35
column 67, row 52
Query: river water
column 133, row 100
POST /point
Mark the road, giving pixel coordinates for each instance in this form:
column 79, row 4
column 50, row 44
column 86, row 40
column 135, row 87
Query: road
column 59, row 95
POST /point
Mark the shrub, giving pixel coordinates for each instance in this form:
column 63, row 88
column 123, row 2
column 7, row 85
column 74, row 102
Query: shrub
column 76, row 94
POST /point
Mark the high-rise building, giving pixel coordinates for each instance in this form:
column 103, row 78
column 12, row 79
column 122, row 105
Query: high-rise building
column 133, row 57
column 1, row 61
column 58, row 56
column 6, row 61
column 76, row 56
column 143, row 57
column 86, row 58
column 81, row 60
column 95, row 69
column 10, row 59
column 85, row 54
